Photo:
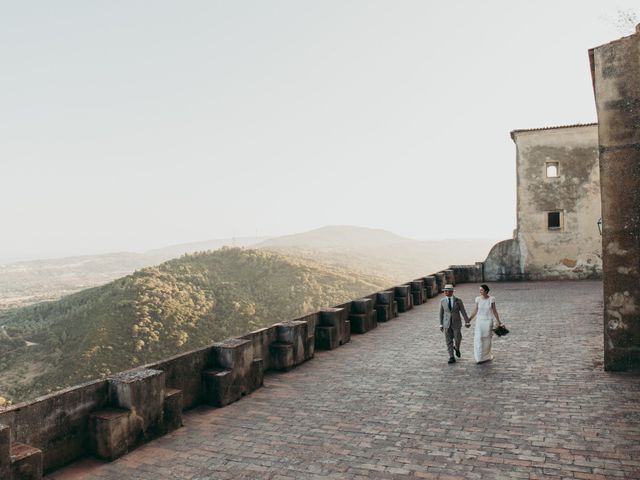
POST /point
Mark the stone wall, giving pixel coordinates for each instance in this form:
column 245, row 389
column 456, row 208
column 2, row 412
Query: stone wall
column 469, row 273
column 615, row 71
column 57, row 424
column 109, row 417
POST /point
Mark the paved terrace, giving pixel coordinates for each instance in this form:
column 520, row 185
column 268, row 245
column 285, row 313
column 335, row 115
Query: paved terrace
column 387, row 405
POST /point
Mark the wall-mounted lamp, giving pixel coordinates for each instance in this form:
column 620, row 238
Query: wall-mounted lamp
column 600, row 225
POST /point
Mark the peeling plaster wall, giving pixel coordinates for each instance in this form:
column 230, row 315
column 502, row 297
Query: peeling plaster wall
column 574, row 250
column 615, row 69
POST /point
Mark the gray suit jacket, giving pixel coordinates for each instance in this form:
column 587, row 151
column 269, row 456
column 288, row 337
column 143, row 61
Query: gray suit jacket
column 452, row 317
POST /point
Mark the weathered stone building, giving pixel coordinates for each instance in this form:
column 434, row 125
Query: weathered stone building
column 615, row 69
column 558, row 208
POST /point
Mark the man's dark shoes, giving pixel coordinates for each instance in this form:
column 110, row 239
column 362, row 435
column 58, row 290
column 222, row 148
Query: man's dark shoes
column 451, row 360
column 457, row 352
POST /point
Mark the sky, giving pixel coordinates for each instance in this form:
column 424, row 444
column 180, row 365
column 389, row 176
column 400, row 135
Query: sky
column 132, row 125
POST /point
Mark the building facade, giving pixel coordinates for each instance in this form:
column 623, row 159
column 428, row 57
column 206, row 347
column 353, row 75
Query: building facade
column 558, row 208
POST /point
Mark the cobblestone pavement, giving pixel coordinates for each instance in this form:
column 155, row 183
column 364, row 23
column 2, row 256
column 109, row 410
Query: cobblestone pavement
column 387, row 405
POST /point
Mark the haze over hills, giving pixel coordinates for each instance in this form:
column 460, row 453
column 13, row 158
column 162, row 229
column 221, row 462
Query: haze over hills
column 380, row 252
column 174, row 251
column 337, row 236
column 365, row 250
column 159, row 311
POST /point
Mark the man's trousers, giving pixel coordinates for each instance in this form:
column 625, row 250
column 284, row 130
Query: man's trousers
column 452, row 335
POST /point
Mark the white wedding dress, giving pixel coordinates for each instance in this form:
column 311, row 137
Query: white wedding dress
column 484, row 329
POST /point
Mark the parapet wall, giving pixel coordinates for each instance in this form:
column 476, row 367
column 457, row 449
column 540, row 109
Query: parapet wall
column 106, row 418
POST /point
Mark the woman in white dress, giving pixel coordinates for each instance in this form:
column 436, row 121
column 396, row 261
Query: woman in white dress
column 486, row 311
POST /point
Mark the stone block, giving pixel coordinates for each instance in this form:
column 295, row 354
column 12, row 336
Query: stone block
column 109, row 433
column 362, row 305
column 401, row 291
column 26, row 462
column 403, row 298
column 440, row 281
column 282, row 357
column 416, row 298
column 404, row 304
column 233, row 354
column 310, row 347
column 5, row 451
column 361, row 322
column 255, row 379
column 233, row 372
column 330, row 317
column 172, row 410
column 335, row 317
column 219, row 387
column 431, row 286
column 260, row 340
column 384, row 298
column 383, row 313
column 141, row 391
column 296, row 333
column 327, row 337
column 418, row 292
column 449, row 276
column 292, row 331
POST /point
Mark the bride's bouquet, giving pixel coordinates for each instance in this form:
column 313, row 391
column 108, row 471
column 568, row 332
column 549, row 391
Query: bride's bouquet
column 501, row 330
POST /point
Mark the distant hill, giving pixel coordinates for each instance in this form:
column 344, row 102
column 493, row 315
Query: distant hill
column 337, row 236
column 29, row 282
column 159, row 311
column 374, row 251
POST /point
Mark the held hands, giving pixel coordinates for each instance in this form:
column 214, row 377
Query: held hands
column 467, row 324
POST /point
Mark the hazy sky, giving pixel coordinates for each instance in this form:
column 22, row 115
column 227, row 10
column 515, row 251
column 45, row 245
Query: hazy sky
column 129, row 125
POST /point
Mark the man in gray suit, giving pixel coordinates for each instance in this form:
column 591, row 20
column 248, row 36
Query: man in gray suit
column 450, row 323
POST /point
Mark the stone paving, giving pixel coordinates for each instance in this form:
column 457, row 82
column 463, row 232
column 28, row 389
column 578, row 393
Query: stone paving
column 387, row 405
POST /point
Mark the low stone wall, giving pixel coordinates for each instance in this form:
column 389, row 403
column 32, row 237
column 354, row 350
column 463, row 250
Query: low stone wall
column 57, row 424
column 182, row 372
column 106, row 418
column 469, row 273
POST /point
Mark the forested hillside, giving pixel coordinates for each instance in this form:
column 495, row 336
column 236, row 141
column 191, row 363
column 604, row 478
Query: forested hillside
column 177, row 306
